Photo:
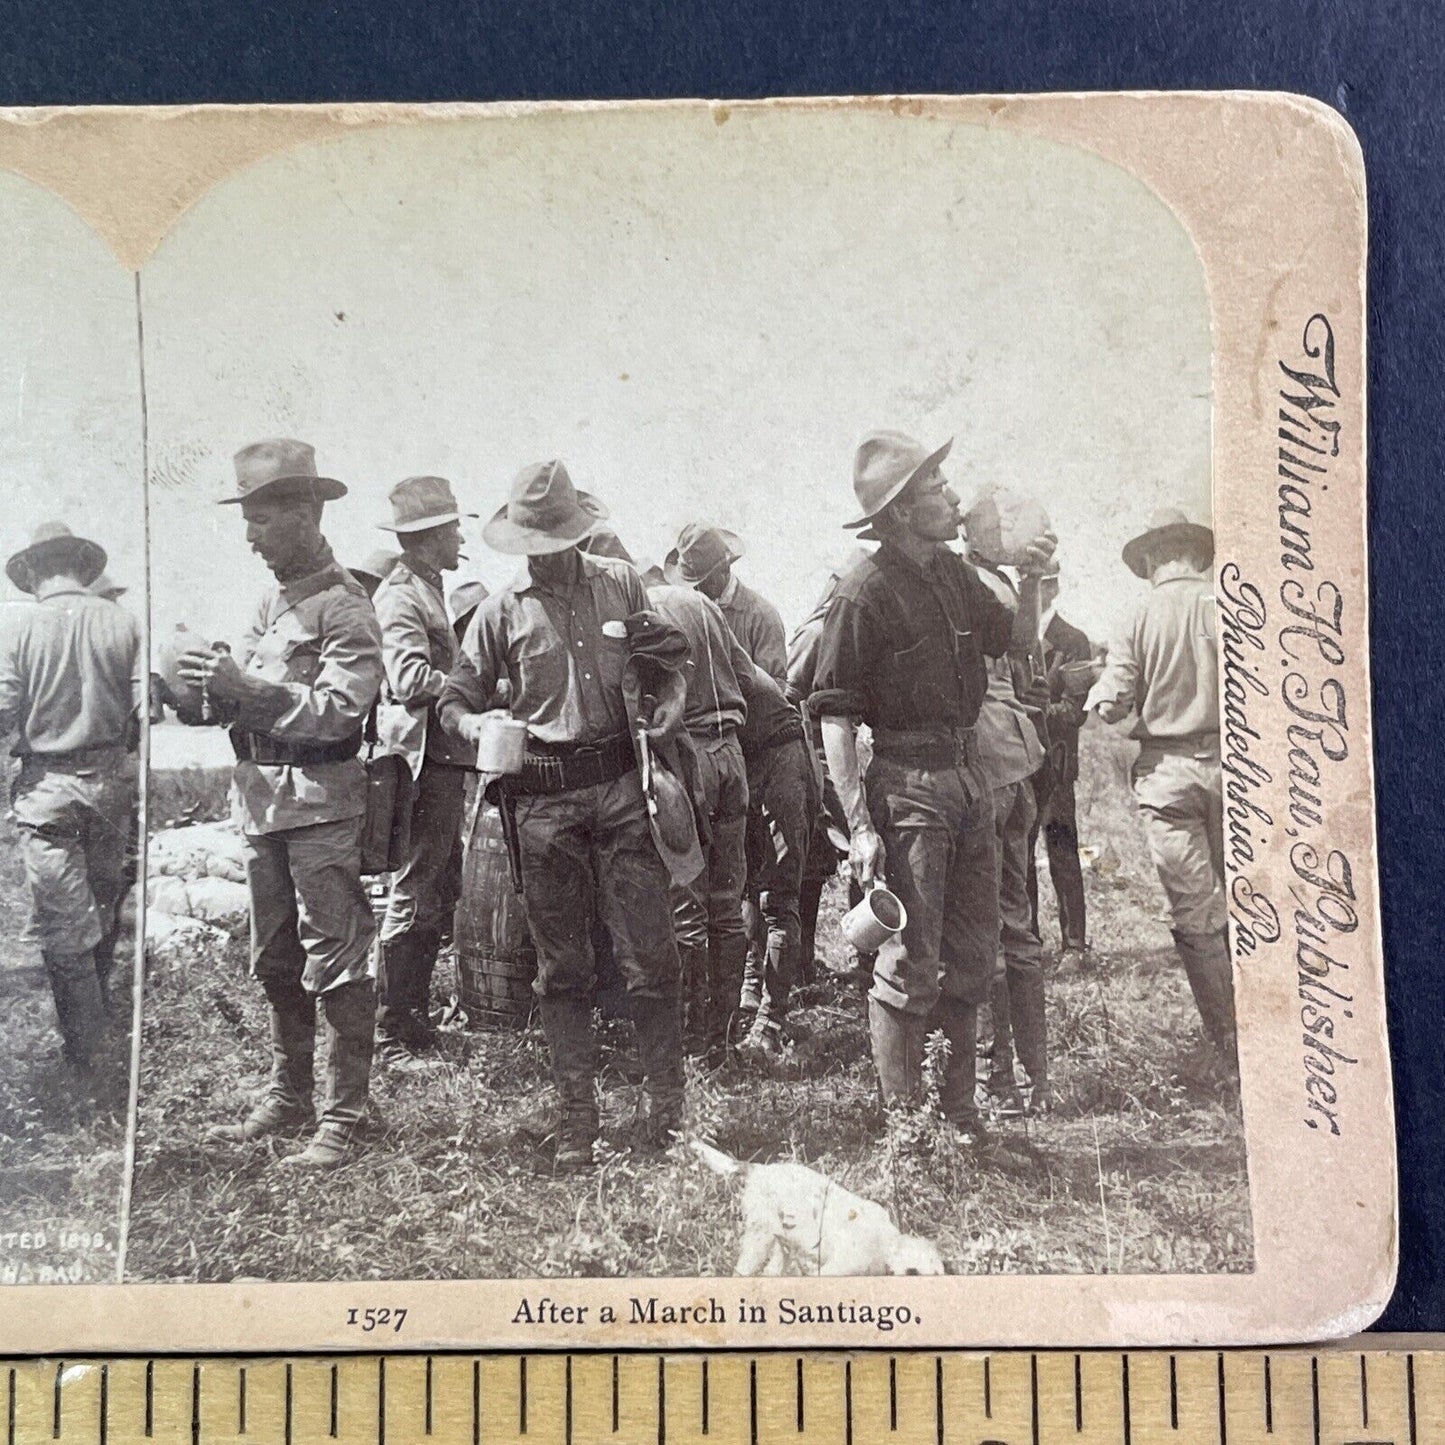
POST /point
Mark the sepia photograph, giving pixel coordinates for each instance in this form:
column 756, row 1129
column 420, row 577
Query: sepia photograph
column 653, row 724
column 784, row 644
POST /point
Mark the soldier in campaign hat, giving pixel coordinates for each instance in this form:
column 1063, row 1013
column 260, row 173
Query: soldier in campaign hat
column 72, row 683
column 419, row 649
column 1163, row 666
column 903, row 649
column 559, row 635
column 297, row 694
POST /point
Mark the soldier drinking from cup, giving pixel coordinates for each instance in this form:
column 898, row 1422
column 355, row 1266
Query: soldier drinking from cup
column 903, row 650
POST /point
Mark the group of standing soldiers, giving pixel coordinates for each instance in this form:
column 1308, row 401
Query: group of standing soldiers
column 957, row 668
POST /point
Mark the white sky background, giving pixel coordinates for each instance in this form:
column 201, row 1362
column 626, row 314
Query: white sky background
column 70, row 434
column 701, row 320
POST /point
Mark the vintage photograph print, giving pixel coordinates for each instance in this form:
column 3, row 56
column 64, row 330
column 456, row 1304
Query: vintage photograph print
column 771, row 691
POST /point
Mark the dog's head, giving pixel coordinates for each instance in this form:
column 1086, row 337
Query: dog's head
column 912, row 1255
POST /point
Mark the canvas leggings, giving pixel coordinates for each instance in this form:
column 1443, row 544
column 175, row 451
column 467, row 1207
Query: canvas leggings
column 780, row 828
column 1017, row 994
column 1181, row 807
column 311, row 934
column 708, row 913
column 423, row 898
column 76, row 827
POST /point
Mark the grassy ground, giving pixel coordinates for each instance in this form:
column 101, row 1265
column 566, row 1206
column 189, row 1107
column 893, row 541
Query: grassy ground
column 1141, row 1168
column 61, row 1146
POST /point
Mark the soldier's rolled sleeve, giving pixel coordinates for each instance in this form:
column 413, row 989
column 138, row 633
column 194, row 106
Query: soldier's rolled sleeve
column 848, row 653
column 12, row 688
column 347, row 681
column 993, row 620
column 1114, row 695
column 406, row 648
column 473, row 681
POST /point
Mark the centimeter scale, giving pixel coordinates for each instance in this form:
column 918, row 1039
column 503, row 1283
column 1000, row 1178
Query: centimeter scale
column 1383, row 1393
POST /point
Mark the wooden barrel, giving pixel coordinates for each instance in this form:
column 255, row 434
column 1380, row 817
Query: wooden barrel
column 496, row 962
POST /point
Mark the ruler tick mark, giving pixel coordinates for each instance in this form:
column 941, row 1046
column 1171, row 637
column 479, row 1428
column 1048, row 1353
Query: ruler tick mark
column 1410, row 1393
column 847, row 1402
column 55, row 1420
column 1128, row 1403
column 1078, row 1394
column 799, row 1393
column 1173, row 1394
column 428, row 1392
column 1223, row 1422
column 705, row 1399
column 241, row 1401
column 476, row 1402
column 987, row 1390
column 938, row 1394
column 753, row 1401
column 617, row 1395
column 1268, row 1398
column 1034, row 1400
column 661, row 1403
column 290, row 1402
column 104, row 1402
column 1315, row 1396
column 150, row 1399
column 522, row 1396
column 335, row 1403
column 567, row 1399
column 10, row 1411
column 1364, row 1394
column 892, row 1394
column 196, row 1405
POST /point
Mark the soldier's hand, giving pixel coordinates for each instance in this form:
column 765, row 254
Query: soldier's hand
column 1038, row 557
column 667, row 717
column 866, row 855
column 226, row 680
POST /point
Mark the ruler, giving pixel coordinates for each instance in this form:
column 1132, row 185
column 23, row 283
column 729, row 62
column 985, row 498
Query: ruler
column 1244, row 1397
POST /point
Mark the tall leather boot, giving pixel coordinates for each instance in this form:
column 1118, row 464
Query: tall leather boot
column 897, row 1039
column 727, row 961
column 423, row 1035
column 350, row 1014
column 79, row 1004
column 958, row 1022
column 1001, row 1085
column 693, row 993
column 567, row 1023
column 1211, row 979
column 1031, row 1033
column 658, row 1023
column 285, row 1106
column 810, row 899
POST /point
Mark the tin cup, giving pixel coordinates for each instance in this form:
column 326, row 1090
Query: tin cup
column 501, row 744
column 869, row 924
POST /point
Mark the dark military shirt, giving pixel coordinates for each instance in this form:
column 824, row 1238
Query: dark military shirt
column 903, row 646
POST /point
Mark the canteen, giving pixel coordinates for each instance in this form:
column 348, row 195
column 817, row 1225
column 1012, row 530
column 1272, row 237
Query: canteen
column 172, row 648
column 501, row 744
column 879, row 916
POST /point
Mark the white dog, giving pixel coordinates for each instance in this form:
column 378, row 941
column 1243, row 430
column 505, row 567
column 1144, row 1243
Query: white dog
column 797, row 1221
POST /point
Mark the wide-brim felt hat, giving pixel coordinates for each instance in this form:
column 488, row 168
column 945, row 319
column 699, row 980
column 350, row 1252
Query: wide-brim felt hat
column 376, row 566
column 1168, row 524
column 885, row 463
column 106, row 586
column 281, row 469
column 700, row 551
column 465, row 599
column 53, row 541
column 544, row 513
column 421, row 503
